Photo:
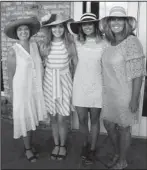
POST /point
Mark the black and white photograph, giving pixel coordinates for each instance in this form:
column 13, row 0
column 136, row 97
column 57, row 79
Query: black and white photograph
column 73, row 84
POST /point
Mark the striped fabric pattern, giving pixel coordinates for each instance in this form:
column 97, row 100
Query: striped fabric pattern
column 57, row 81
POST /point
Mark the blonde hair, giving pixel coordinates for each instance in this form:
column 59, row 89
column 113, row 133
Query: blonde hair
column 110, row 36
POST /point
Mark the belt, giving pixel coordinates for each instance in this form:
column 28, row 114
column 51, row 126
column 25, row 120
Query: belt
column 56, row 85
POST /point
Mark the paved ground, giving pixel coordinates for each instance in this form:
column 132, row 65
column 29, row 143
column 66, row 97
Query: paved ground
column 12, row 152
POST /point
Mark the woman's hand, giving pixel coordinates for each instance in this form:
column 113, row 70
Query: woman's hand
column 134, row 105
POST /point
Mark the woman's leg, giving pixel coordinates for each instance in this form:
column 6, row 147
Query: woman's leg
column 28, row 149
column 83, row 126
column 113, row 135
column 95, row 130
column 114, row 138
column 83, row 123
column 32, row 145
column 63, row 130
column 55, row 134
column 125, row 139
column 95, row 126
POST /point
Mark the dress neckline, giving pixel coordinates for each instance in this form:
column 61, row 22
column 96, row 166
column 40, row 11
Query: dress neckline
column 121, row 42
column 57, row 42
column 90, row 39
column 24, row 48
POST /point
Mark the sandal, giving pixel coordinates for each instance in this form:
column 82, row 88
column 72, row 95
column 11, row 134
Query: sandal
column 84, row 151
column 62, row 157
column 91, row 157
column 32, row 157
column 120, row 165
column 113, row 161
column 35, row 152
column 53, row 155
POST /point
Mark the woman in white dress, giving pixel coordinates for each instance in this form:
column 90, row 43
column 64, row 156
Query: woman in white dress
column 87, row 85
column 25, row 80
column 58, row 52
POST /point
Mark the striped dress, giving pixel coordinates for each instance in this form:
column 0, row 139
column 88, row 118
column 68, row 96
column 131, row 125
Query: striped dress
column 57, row 81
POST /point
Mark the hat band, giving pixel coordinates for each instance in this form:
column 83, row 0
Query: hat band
column 117, row 14
column 88, row 17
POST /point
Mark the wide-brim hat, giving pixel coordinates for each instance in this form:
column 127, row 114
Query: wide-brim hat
column 119, row 12
column 31, row 22
column 86, row 17
column 54, row 19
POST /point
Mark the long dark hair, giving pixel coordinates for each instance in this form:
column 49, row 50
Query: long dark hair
column 82, row 36
column 67, row 39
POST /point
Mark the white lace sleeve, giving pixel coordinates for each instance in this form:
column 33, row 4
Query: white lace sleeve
column 134, row 58
column 135, row 68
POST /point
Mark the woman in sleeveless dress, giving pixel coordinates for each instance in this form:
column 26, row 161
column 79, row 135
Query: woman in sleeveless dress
column 58, row 52
column 123, row 68
column 25, row 80
column 87, row 84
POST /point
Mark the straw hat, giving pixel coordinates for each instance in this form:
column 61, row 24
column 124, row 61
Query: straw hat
column 119, row 12
column 31, row 22
column 54, row 19
column 86, row 17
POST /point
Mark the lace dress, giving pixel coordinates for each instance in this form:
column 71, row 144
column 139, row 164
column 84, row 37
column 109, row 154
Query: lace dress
column 121, row 64
column 87, row 84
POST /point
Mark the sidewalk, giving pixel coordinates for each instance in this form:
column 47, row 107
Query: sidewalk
column 12, row 151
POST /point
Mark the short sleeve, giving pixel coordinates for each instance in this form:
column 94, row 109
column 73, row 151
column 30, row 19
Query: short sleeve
column 134, row 58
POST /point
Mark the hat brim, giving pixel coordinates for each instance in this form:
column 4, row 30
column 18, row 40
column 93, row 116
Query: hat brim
column 58, row 22
column 129, row 17
column 32, row 23
column 73, row 27
column 103, row 22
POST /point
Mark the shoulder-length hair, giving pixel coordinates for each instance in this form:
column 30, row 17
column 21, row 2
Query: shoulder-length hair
column 82, row 36
column 110, row 36
column 67, row 39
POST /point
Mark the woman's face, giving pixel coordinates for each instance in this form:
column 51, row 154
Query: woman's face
column 88, row 28
column 58, row 30
column 117, row 25
column 23, row 32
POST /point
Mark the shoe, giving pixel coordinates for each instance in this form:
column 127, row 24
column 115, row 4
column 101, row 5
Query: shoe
column 84, row 151
column 113, row 161
column 120, row 165
column 90, row 157
column 35, row 152
column 62, row 157
column 30, row 159
column 54, row 155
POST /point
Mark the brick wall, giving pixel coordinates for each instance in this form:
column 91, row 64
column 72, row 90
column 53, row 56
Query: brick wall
column 15, row 10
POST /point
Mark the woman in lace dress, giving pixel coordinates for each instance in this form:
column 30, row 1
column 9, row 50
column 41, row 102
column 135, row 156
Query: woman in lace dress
column 123, row 70
column 25, row 81
column 58, row 53
column 87, row 85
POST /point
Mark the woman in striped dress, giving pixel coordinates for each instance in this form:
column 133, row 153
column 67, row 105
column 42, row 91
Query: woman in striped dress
column 59, row 52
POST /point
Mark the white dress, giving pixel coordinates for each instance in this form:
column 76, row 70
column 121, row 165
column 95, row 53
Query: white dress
column 87, row 84
column 28, row 100
column 121, row 64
